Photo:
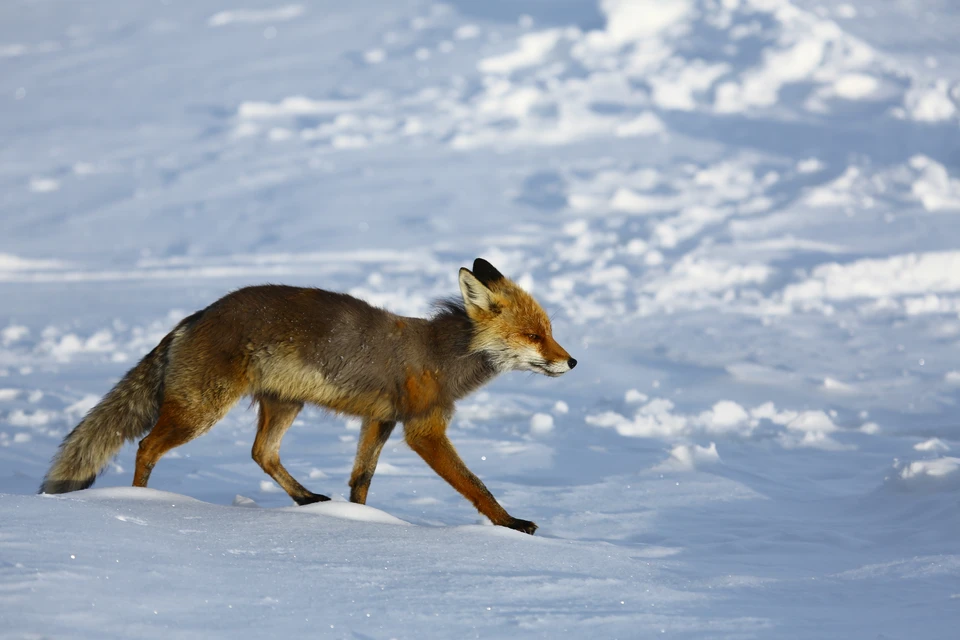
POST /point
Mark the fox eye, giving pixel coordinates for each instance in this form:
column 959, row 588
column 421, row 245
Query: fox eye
column 535, row 337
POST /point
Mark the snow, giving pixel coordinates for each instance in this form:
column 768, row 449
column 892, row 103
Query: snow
column 44, row 185
column 466, row 32
column 244, row 16
column 689, row 458
column 933, row 444
column 741, row 216
column 541, row 423
column 877, row 278
column 939, row 468
column 930, row 104
column 13, row 333
column 935, row 189
column 531, row 50
column 631, row 21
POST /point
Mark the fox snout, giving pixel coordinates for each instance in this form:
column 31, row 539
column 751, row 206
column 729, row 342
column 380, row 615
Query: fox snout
column 557, row 369
column 554, row 360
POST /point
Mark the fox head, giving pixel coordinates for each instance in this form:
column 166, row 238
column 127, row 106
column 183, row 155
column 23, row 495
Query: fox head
column 511, row 327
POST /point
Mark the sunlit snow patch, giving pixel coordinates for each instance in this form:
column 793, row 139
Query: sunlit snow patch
column 9, row 262
column 44, row 185
column 252, row 16
column 836, row 386
column 928, row 470
column 348, row 511
column 912, row 273
column 140, row 494
column 6, row 395
column 531, row 49
column 811, row 429
column 268, row 486
column 13, row 333
column 541, row 423
column 656, row 419
column 689, row 458
column 929, row 103
column 933, row 444
column 244, row 501
column 299, row 106
column 934, row 187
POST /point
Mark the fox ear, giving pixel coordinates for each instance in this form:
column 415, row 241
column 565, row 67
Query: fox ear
column 486, row 272
column 476, row 296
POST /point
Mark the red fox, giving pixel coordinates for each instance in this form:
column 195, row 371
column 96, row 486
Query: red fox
column 286, row 346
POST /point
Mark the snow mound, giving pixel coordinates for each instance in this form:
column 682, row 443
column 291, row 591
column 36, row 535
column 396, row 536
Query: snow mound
column 653, row 420
column 934, row 445
column 253, row 16
column 334, row 509
column 931, row 469
column 348, row 511
column 930, row 102
column 244, row 501
column 531, row 50
column 139, row 494
column 6, row 395
column 689, row 458
column 541, row 423
column 912, row 273
column 10, row 262
column 726, row 416
column 812, row 429
column 936, row 189
column 934, row 476
column 656, row 419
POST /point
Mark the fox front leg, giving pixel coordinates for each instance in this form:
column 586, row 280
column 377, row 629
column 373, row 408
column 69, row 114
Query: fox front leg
column 373, row 435
column 427, row 436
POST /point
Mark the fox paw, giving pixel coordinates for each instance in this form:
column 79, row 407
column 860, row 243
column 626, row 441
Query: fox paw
column 310, row 499
column 521, row 525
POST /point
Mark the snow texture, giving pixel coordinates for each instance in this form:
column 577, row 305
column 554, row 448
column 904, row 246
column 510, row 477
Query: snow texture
column 742, row 215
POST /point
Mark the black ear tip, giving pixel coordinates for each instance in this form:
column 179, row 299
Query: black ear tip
column 486, row 272
column 480, row 264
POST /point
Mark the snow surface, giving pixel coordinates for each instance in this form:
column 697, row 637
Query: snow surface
column 743, row 216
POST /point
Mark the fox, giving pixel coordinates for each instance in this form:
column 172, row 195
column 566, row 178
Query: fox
column 285, row 346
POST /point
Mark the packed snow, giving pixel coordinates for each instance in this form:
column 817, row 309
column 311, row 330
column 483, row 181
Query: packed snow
column 742, row 215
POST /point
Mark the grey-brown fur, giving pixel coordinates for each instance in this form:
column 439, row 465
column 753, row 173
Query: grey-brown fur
column 359, row 350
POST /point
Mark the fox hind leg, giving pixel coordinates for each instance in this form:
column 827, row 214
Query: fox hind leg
column 373, row 435
column 276, row 416
column 175, row 426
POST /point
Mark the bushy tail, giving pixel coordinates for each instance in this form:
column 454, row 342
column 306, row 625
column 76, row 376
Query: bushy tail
column 127, row 412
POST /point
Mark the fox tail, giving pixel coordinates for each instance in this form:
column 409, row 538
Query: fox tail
column 127, row 412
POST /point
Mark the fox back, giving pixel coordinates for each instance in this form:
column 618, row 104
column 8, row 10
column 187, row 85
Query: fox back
column 328, row 349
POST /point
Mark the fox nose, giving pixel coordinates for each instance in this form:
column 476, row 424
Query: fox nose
column 572, row 362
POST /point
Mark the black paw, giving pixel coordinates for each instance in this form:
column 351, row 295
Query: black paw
column 521, row 525
column 310, row 499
